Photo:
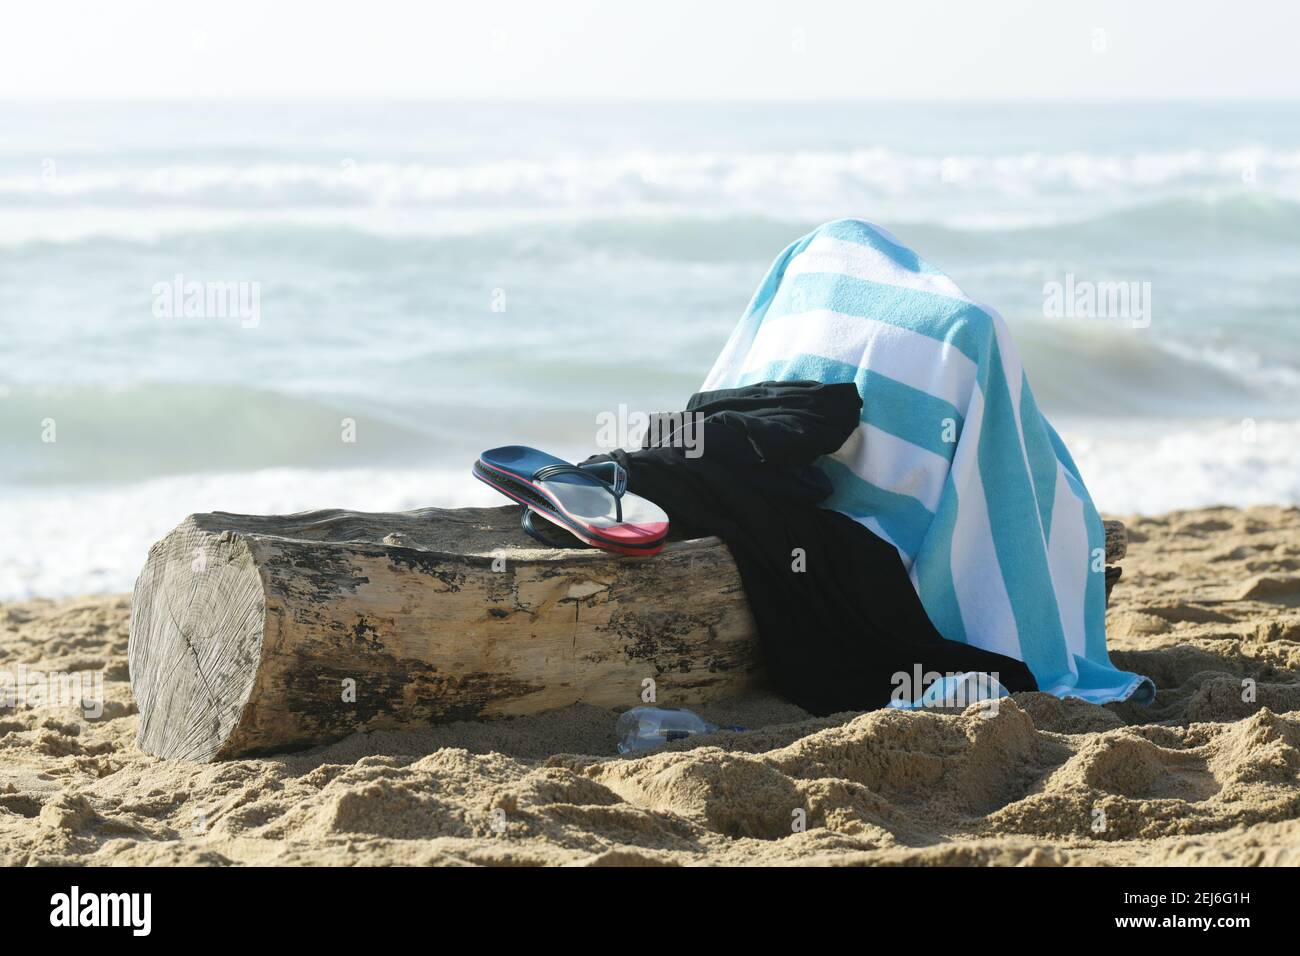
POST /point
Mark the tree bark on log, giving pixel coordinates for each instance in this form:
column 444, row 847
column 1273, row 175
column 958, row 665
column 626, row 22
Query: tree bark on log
column 254, row 634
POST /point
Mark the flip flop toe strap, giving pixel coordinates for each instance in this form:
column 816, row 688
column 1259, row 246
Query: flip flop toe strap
column 616, row 486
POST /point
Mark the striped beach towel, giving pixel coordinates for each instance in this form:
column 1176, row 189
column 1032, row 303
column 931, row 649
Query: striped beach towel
column 952, row 463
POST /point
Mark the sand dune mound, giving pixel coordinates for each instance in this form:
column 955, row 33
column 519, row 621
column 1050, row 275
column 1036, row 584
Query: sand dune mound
column 1208, row 774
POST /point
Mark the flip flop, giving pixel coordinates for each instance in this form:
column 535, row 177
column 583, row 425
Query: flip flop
column 576, row 500
column 591, row 502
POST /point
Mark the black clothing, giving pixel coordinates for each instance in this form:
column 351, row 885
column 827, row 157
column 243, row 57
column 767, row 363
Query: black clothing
column 834, row 634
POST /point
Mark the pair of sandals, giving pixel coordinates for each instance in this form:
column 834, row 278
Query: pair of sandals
column 588, row 502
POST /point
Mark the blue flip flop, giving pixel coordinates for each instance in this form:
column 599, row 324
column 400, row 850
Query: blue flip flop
column 591, row 501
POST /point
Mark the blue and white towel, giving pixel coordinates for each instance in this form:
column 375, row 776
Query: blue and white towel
column 953, row 463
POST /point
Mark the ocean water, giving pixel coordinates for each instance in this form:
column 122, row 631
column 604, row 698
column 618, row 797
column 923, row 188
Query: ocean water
column 431, row 279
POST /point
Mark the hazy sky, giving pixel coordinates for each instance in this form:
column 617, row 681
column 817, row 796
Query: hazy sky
column 663, row 49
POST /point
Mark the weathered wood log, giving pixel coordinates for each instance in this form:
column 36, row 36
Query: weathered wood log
column 1116, row 540
column 260, row 634
column 1116, row 547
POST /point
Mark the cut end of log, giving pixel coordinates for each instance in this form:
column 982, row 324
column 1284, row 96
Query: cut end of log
column 196, row 637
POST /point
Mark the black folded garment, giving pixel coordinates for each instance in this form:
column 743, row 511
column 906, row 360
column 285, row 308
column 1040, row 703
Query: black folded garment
column 839, row 621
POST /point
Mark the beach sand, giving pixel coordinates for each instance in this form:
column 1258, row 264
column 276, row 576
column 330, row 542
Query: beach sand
column 1209, row 599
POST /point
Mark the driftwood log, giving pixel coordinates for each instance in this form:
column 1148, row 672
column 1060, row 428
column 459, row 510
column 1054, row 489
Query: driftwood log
column 256, row 634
